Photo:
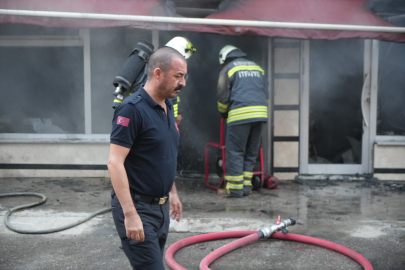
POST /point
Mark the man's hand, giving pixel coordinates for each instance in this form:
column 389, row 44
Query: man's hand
column 176, row 207
column 178, row 119
column 134, row 227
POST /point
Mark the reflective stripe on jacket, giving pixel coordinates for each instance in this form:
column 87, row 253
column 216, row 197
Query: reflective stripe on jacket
column 242, row 92
column 176, row 106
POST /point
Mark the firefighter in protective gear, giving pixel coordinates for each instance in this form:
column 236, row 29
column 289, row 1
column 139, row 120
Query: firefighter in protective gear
column 183, row 46
column 133, row 75
column 242, row 98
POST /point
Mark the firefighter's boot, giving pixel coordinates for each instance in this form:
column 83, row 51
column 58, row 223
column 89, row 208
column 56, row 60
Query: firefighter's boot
column 230, row 193
column 247, row 183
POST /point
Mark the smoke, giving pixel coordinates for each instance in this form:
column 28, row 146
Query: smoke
column 391, row 89
column 42, row 87
column 201, row 119
column 336, row 82
column 391, row 11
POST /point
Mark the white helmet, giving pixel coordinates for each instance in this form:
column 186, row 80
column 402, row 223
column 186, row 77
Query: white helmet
column 182, row 45
column 223, row 53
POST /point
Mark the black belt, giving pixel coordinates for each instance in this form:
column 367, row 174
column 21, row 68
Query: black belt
column 146, row 199
column 151, row 200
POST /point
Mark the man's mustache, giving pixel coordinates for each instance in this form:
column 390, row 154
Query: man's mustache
column 178, row 88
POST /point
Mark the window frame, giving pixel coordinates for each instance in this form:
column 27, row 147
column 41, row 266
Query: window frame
column 381, row 139
column 81, row 40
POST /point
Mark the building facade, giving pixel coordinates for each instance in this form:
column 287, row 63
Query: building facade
column 335, row 107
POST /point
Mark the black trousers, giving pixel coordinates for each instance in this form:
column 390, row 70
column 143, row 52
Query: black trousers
column 147, row 255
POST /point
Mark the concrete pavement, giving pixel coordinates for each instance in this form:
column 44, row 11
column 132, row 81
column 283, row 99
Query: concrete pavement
column 367, row 217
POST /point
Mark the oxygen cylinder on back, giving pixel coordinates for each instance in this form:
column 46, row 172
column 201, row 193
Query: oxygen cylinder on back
column 133, row 72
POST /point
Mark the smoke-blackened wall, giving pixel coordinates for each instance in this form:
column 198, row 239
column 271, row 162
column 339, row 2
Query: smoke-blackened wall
column 110, row 48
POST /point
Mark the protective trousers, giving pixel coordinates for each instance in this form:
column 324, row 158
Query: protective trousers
column 241, row 150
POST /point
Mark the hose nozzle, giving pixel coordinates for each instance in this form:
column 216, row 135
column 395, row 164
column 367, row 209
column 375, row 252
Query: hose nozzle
column 268, row 231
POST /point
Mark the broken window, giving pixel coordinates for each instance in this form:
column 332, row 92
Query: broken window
column 41, row 90
column 335, row 118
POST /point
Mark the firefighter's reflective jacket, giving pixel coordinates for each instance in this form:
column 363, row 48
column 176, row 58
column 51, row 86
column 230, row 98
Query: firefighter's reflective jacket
column 242, row 92
column 176, row 106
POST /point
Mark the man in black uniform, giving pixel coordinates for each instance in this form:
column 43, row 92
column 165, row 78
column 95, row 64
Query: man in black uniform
column 242, row 98
column 143, row 159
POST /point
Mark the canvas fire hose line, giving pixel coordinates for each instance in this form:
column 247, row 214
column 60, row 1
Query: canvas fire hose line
column 161, row 19
column 247, row 237
column 43, row 197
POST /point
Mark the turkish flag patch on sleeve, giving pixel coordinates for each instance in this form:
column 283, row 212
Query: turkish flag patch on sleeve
column 123, row 121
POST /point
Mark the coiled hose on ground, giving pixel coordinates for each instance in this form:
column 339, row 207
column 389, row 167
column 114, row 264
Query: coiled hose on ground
column 249, row 237
column 43, row 197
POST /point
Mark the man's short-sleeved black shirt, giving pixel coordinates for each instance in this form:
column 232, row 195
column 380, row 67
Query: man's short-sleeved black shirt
column 142, row 125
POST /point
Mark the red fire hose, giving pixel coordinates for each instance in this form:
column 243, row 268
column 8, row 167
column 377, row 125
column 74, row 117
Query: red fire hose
column 249, row 237
column 228, row 248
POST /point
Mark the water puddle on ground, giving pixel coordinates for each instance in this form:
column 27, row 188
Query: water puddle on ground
column 367, row 232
